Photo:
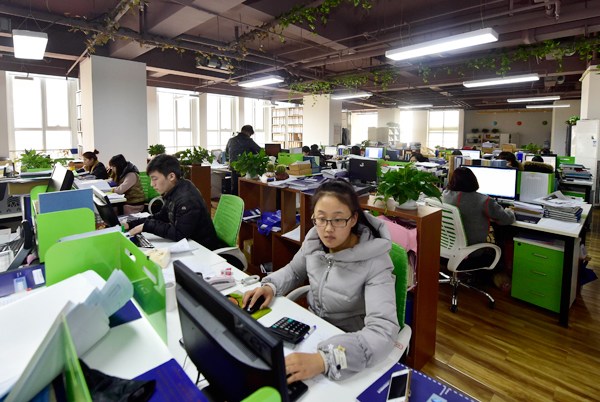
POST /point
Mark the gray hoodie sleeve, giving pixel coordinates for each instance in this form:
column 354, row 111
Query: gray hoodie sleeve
column 500, row 215
column 290, row 276
column 349, row 353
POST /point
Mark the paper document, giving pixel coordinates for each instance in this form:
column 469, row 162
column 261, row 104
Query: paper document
column 181, row 246
column 293, row 234
column 5, row 236
column 101, row 185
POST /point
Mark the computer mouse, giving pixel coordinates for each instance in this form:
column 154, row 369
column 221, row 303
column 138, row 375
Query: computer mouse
column 257, row 303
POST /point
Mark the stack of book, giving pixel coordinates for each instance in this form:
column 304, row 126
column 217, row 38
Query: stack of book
column 526, row 212
column 558, row 206
column 575, row 171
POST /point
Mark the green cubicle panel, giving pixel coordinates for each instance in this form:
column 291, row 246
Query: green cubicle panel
column 287, row 158
column 52, row 226
column 102, row 254
column 568, row 160
column 75, row 384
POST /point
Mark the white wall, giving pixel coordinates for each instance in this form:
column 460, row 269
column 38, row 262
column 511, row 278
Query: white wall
column 385, row 116
column 559, row 127
column 115, row 108
column 590, row 88
column 322, row 121
column 152, row 99
column 420, row 123
column 3, row 115
column 531, row 129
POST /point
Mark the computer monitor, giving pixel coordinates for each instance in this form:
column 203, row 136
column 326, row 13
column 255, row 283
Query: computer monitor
column 471, row 153
column 393, row 154
column 235, row 353
column 61, row 179
column 296, row 150
column 330, row 151
column 105, row 208
column 496, row 182
column 374, row 152
column 362, row 170
column 340, row 149
column 548, row 159
column 272, row 149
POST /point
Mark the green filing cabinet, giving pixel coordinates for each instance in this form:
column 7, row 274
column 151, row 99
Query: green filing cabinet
column 537, row 272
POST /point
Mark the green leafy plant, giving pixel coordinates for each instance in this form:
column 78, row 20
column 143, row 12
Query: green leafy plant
column 31, row 159
column 271, row 167
column 485, row 130
column 281, row 172
column 156, row 149
column 474, row 130
column 532, row 148
column 251, row 164
column 194, row 156
column 571, row 121
column 407, row 184
column 495, row 130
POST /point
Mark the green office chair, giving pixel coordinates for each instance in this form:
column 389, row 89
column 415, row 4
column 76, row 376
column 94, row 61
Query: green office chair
column 227, row 222
column 453, row 246
column 400, row 260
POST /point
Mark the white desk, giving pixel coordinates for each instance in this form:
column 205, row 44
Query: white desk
column 569, row 232
column 320, row 388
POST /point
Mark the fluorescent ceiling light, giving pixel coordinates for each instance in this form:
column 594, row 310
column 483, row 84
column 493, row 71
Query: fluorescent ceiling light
column 468, row 39
column 262, row 81
column 545, row 106
column 415, row 106
column 29, row 44
column 536, row 99
column 502, row 80
column 350, row 95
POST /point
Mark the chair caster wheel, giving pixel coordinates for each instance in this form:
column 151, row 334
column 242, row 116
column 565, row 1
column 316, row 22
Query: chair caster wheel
column 453, row 308
column 492, row 304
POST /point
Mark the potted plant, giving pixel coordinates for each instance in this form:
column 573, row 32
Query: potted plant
column 475, row 130
column 156, row 149
column 194, row 156
column 32, row 160
column 532, row 148
column 495, row 131
column 281, row 172
column 485, row 130
column 251, row 165
column 405, row 185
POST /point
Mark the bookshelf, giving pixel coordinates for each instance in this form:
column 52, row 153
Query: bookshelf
column 279, row 250
column 287, row 126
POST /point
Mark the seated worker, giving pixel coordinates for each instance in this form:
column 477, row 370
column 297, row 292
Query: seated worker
column 93, row 166
column 477, row 211
column 184, row 213
column 315, row 151
column 418, row 157
column 127, row 178
column 345, row 258
column 511, row 159
column 306, row 150
column 537, row 164
column 456, row 152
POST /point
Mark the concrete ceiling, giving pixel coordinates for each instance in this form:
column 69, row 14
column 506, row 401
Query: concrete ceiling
column 352, row 42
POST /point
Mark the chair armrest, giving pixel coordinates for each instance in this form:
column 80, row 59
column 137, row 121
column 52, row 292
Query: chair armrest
column 460, row 254
column 298, row 292
column 402, row 343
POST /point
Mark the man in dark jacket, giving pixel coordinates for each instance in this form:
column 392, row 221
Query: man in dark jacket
column 184, row 213
column 238, row 145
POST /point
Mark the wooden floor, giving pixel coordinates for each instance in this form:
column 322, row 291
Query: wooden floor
column 518, row 352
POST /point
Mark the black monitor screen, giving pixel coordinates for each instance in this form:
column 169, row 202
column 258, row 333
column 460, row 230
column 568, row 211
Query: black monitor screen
column 362, row 170
column 496, row 182
column 105, row 208
column 61, row 179
column 393, row 154
column 272, row 149
column 235, row 353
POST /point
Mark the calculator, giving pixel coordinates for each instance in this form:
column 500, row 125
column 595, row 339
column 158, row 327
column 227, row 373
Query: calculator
column 290, row 330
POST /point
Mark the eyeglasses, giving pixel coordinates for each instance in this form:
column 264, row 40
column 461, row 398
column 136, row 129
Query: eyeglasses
column 336, row 222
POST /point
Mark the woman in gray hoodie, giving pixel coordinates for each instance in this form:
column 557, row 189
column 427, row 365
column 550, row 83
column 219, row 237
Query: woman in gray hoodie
column 345, row 258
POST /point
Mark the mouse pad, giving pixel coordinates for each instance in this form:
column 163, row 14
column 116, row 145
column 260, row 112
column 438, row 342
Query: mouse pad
column 238, row 297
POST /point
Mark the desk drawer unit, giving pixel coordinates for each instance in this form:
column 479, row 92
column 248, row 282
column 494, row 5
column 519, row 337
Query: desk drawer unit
column 537, row 273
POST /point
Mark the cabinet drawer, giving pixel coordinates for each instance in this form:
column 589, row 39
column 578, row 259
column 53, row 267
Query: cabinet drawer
column 532, row 255
column 542, row 293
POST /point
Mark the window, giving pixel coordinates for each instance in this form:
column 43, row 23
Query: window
column 42, row 108
column 219, row 121
column 360, row 126
column 175, row 120
column 443, row 129
column 254, row 114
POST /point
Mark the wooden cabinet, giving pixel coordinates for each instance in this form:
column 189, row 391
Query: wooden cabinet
column 287, row 126
column 428, row 221
column 200, row 176
column 279, row 250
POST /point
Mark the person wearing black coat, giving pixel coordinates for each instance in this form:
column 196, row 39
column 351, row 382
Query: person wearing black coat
column 238, row 145
column 93, row 166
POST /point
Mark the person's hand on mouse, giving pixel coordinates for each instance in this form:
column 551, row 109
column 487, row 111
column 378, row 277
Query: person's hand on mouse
column 252, row 295
column 302, row 366
column 136, row 230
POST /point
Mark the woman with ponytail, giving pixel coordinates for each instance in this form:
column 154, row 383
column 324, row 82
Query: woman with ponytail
column 345, row 258
column 93, row 166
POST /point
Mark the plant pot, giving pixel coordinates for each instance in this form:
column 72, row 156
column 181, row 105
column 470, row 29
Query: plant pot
column 389, row 205
column 281, row 176
column 251, row 177
column 410, row 205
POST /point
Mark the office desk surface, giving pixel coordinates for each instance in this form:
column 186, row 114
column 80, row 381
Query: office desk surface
column 557, row 227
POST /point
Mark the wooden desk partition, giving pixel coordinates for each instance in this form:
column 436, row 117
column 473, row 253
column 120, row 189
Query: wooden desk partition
column 200, row 176
column 280, row 250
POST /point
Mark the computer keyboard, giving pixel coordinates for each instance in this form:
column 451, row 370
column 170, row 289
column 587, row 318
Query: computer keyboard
column 14, row 245
column 140, row 241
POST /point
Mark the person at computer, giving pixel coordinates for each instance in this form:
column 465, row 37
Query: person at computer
column 355, row 150
column 345, row 258
column 93, row 166
column 127, row 178
column 511, row 159
column 315, row 151
column 418, row 157
column 306, row 150
column 184, row 213
column 477, row 210
column 238, row 145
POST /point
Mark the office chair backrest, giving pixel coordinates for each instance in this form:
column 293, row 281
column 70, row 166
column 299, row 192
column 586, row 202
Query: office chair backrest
column 453, row 232
column 228, row 218
column 400, row 261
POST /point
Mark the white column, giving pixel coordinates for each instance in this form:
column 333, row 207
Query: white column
column 3, row 115
column 153, row 134
column 114, row 108
column 385, row 116
column 322, row 121
column 590, row 88
column 560, row 115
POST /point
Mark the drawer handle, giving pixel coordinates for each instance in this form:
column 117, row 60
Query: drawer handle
column 539, row 273
column 540, row 255
column 537, row 293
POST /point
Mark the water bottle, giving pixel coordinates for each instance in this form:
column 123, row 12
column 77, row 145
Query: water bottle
column 520, row 156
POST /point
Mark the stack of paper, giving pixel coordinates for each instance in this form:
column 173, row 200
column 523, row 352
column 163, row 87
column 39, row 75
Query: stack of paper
column 307, row 183
column 558, row 206
column 575, row 171
column 528, row 212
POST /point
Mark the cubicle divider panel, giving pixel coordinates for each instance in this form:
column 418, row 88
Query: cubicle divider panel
column 306, row 213
column 52, row 226
column 283, row 251
column 288, row 210
column 104, row 253
column 261, row 248
column 250, row 194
